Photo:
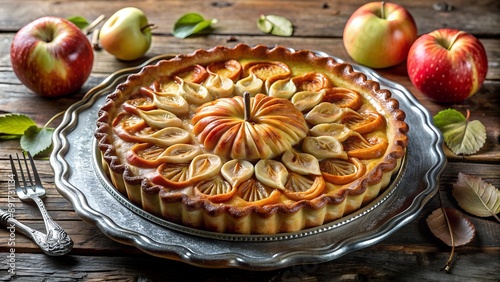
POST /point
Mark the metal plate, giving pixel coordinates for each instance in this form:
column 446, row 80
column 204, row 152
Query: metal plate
column 79, row 178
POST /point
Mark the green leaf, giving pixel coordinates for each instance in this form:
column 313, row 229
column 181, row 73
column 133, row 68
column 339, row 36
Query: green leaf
column 36, row 140
column 460, row 134
column 15, row 124
column 448, row 116
column 5, row 137
column 191, row 23
column 275, row 25
column 79, row 21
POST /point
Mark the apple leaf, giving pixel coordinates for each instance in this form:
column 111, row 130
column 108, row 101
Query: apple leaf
column 191, row 23
column 15, row 124
column 476, row 196
column 454, row 229
column 460, row 134
column 35, row 140
column 275, row 25
column 79, row 21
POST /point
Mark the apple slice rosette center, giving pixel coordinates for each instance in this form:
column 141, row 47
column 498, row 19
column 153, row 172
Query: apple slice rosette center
column 274, row 126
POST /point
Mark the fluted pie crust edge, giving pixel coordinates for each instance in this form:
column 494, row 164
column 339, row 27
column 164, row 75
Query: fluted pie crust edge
column 291, row 216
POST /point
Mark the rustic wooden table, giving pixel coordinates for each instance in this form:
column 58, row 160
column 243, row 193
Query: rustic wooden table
column 411, row 253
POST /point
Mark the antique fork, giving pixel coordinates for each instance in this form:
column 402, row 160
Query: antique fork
column 56, row 242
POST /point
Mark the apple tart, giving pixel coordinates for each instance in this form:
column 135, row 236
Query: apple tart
column 251, row 140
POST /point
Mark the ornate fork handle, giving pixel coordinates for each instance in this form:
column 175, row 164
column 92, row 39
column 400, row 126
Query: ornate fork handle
column 57, row 241
column 38, row 237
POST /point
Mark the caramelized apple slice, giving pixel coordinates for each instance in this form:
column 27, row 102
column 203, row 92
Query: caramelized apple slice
column 283, row 88
column 306, row 100
column 327, row 113
column 219, row 86
column 192, row 74
column 237, row 171
column 304, row 187
column 160, row 118
column 251, row 84
column 167, row 136
column 257, row 194
column 230, row 69
column 180, row 153
column 343, row 97
column 145, row 155
column 126, row 126
column 365, row 149
column 173, row 176
column 337, row 171
column 271, row 173
column 364, row 123
column 300, row 163
column 324, row 147
column 171, row 102
column 268, row 70
column 165, row 84
column 337, row 130
column 201, row 168
column 193, row 93
column 214, row 190
column 312, row 81
column 204, row 166
column 143, row 100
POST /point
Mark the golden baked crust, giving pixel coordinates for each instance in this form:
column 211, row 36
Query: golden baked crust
column 175, row 140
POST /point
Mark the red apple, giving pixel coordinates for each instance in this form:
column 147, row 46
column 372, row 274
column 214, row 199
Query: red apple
column 379, row 34
column 51, row 56
column 447, row 65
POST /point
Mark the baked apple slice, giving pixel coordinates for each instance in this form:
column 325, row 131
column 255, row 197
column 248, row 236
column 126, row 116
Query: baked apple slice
column 230, row 69
column 340, row 172
column 312, row 81
column 343, row 97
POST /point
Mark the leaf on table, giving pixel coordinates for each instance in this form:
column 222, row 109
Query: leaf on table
column 476, row 196
column 36, row 140
column 79, row 21
column 460, row 134
column 462, row 230
column 191, row 23
column 15, row 124
column 275, row 25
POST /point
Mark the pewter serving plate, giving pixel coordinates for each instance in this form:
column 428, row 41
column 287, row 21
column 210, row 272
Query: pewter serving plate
column 80, row 178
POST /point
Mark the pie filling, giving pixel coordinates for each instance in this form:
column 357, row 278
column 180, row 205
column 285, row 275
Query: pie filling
column 251, row 140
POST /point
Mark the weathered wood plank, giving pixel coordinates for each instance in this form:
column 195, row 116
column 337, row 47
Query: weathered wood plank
column 316, row 18
column 371, row 265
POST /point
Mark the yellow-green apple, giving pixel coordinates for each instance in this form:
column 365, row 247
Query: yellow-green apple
column 447, row 65
column 51, row 56
column 379, row 34
column 126, row 34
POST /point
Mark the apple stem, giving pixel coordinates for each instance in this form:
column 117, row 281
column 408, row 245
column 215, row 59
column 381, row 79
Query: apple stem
column 455, row 37
column 246, row 103
column 151, row 26
column 382, row 10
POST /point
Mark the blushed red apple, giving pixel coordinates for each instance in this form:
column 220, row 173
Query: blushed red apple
column 51, row 56
column 447, row 65
column 379, row 34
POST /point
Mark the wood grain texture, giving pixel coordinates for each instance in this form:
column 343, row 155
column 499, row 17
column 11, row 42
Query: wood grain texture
column 412, row 253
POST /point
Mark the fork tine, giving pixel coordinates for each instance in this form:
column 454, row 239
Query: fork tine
column 14, row 171
column 30, row 183
column 38, row 182
column 25, row 184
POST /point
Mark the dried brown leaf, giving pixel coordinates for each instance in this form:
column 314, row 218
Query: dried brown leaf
column 476, row 196
column 461, row 229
